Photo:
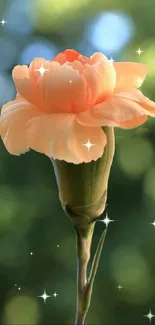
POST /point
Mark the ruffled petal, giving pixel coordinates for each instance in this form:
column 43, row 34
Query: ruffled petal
column 114, row 112
column 60, row 136
column 64, row 89
column 137, row 96
column 29, row 82
column 14, row 115
column 129, row 75
column 100, row 76
column 68, row 55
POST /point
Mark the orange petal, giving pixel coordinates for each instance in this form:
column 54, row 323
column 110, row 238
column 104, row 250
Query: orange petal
column 60, row 136
column 137, row 96
column 15, row 114
column 100, row 76
column 64, row 89
column 129, row 75
column 115, row 112
column 67, row 55
column 27, row 87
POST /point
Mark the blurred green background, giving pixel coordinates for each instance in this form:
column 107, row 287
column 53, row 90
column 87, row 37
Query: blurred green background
column 31, row 218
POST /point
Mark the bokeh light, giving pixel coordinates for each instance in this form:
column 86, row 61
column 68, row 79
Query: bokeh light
column 110, row 31
column 149, row 184
column 135, row 155
column 47, row 14
column 131, row 270
column 17, row 17
column 41, row 48
column 7, row 89
column 8, row 53
column 21, row 310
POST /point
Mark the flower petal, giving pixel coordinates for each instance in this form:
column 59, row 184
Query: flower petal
column 114, row 112
column 68, row 55
column 137, row 96
column 60, row 136
column 100, row 76
column 14, row 115
column 64, row 89
column 28, row 84
column 129, row 75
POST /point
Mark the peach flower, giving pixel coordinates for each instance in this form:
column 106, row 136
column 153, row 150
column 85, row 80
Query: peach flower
column 58, row 111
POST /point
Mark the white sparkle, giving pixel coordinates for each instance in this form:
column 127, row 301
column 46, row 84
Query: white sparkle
column 58, row 245
column 31, row 253
column 88, row 145
column 42, row 70
column 3, row 22
column 119, row 287
column 153, row 223
column 139, row 81
column 149, row 315
column 139, row 51
column 19, row 289
column 106, row 220
column 55, row 294
column 44, row 296
column 111, row 60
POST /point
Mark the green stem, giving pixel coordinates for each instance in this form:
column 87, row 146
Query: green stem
column 84, row 286
column 83, row 245
column 80, row 320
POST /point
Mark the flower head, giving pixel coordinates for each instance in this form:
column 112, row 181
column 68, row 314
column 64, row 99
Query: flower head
column 64, row 103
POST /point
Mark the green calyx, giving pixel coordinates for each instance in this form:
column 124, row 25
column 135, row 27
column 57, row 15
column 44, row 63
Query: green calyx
column 83, row 187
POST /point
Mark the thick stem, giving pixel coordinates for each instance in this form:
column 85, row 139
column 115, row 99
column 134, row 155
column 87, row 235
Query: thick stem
column 84, row 285
column 80, row 320
column 83, row 244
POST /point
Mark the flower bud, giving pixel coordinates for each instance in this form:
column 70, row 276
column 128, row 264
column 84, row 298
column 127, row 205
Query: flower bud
column 83, row 187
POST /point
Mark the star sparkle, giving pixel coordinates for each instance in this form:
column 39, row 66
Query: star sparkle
column 88, row 145
column 149, row 315
column 111, row 60
column 153, row 223
column 44, row 296
column 139, row 51
column 139, row 81
column 31, row 253
column 3, row 22
column 106, row 220
column 42, row 70
column 119, row 287
column 55, row 294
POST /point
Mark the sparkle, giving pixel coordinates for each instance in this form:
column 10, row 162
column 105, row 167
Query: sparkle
column 111, row 60
column 44, row 296
column 55, row 294
column 149, row 315
column 139, row 81
column 139, row 51
column 70, row 81
column 119, row 287
column 42, row 70
column 58, row 245
column 3, row 22
column 19, row 288
column 88, row 145
column 153, row 223
column 31, row 253
column 106, row 220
